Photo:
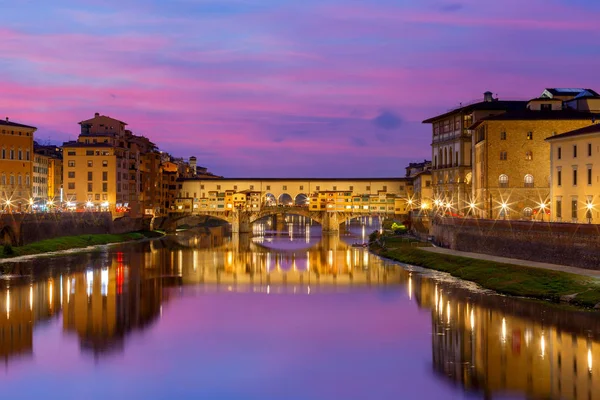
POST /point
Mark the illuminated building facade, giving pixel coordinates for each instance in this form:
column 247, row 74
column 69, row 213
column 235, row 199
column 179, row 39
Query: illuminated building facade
column 16, row 165
column 575, row 175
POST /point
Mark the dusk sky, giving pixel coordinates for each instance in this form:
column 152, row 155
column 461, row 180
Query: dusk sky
column 275, row 88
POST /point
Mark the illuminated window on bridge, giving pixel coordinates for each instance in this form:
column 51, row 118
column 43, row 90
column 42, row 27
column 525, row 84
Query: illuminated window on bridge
column 251, row 187
column 284, row 187
column 368, row 187
column 234, row 187
column 318, row 187
column 268, row 187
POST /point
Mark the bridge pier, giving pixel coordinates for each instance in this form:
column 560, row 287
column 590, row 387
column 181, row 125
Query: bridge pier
column 330, row 223
column 241, row 222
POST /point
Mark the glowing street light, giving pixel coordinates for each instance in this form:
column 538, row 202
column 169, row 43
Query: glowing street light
column 504, row 207
column 589, row 207
column 89, row 204
column 543, row 209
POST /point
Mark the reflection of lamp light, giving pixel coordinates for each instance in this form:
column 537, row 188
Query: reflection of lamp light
column 589, row 357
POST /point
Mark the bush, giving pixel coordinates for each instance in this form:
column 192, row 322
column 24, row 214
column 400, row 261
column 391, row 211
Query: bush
column 373, row 236
column 8, row 250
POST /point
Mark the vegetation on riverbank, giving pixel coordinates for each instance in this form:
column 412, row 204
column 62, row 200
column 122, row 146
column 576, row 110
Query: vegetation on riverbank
column 74, row 242
column 514, row 280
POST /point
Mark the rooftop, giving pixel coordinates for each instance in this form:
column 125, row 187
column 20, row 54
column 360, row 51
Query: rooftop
column 8, row 123
column 550, row 92
column 588, row 130
column 482, row 105
column 535, row 115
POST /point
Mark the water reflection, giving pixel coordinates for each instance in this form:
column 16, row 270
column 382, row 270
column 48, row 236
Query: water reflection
column 490, row 345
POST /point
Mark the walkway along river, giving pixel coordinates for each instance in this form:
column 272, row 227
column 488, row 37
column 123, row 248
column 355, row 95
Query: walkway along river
column 286, row 314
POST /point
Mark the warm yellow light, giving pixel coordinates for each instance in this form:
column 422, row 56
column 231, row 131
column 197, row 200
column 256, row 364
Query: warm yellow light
column 589, row 206
column 543, row 345
column 543, row 206
column 30, row 202
column 424, row 206
column 8, row 202
column 89, row 204
column 472, row 205
column 589, row 357
column 30, row 298
column 472, row 320
column 409, row 202
column 503, row 330
column 504, row 206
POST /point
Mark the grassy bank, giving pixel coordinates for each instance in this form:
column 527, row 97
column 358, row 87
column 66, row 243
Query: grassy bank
column 507, row 279
column 73, row 242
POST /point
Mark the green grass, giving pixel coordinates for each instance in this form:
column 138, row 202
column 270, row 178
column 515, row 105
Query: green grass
column 507, row 279
column 75, row 242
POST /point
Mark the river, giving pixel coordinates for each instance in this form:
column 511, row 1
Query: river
column 278, row 315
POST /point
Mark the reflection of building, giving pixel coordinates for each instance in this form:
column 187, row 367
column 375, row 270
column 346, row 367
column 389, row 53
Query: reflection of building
column 492, row 351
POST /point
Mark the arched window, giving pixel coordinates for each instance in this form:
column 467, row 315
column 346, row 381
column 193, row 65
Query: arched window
column 529, row 155
column 27, row 179
column 3, row 153
column 528, row 181
column 450, row 158
column 445, row 158
column 3, row 179
column 12, row 179
column 503, row 181
column 20, row 154
column 435, row 161
column 27, row 154
column 527, row 212
column 456, row 158
column 20, row 180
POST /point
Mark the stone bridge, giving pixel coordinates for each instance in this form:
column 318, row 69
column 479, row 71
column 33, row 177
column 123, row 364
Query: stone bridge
column 241, row 220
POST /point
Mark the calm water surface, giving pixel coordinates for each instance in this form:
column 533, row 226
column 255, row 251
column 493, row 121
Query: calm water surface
column 279, row 315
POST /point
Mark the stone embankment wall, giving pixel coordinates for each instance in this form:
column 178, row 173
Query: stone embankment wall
column 36, row 227
column 575, row 245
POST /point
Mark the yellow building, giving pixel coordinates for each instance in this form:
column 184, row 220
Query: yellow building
column 91, row 176
column 452, row 149
column 575, row 175
column 16, row 165
column 55, row 176
column 511, row 164
column 39, row 192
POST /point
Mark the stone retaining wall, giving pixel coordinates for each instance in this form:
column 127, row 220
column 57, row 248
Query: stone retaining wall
column 575, row 245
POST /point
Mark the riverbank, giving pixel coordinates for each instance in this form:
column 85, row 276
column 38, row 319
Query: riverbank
column 74, row 242
column 509, row 279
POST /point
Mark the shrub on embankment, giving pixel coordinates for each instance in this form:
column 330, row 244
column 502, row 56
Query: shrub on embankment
column 75, row 242
column 514, row 280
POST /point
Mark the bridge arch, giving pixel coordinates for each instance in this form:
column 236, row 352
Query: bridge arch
column 269, row 199
column 285, row 199
column 301, row 199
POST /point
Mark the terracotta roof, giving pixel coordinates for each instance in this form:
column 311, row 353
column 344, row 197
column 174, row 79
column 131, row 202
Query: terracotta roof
column 483, row 105
column 536, row 115
column 595, row 128
column 79, row 144
column 8, row 123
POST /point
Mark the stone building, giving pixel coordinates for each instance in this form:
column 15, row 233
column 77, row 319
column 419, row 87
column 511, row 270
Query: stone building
column 16, row 165
column 452, row 149
column 39, row 191
column 575, row 175
column 511, row 158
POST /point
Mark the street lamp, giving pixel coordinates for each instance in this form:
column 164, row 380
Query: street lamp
column 472, row 208
column 504, row 208
column 589, row 206
column 543, row 209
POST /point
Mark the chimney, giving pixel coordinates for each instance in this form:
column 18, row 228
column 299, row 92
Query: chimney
column 6, row 119
column 97, row 115
column 487, row 97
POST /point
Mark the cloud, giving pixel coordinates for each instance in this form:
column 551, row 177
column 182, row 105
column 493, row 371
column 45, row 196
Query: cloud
column 451, row 7
column 387, row 120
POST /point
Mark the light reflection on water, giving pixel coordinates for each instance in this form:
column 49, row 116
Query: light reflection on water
column 285, row 313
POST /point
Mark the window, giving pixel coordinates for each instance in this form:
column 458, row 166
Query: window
column 218, row 187
column 301, row 187
column 559, row 177
column 90, row 163
column 559, row 153
column 589, row 149
column 558, row 208
column 71, row 185
column 27, row 154
column 574, row 151
column 97, row 196
column 12, row 154
column 105, row 186
column 502, row 135
column 235, row 187
column 70, row 153
column 527, row 212
column 528, row 155
column 20, row 154
column 90, row 187
column 20, row 180
column 574, row 176
column 528, row 181
column 368, row 187
column 503, row 155
column 589, row 175
column 251, row 187
column 529, row 135
column 27, row 180
column 89, row 152
column 268, row 187
column 71, row 163
column 546, row 107
column 12, row 180
column 104, row 163
column 71, row 174
column 503, row 181
column 104, row 175
column 90, row 176
column 3, row 153
column 3, row 181
column 574, row 209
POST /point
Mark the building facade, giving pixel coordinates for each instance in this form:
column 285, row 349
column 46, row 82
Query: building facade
column 40, row 182
column 16, row 165
column 575, row 175
column 452, row 150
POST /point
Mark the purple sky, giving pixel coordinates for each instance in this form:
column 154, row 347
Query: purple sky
column 284, row 88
